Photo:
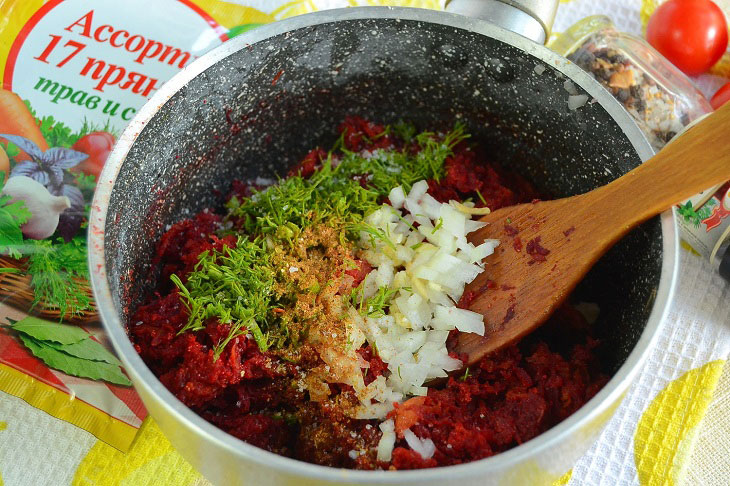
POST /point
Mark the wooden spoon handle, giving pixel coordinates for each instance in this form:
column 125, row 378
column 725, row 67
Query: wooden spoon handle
column 697, row 160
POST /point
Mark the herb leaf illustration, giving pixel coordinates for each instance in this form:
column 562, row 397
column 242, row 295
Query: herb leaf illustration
column 704, row 213
column 69, row 349
column 72, row 365
column 45, row 167
column 10, row 234
column 48, row 176
column 87, row 349
column 25, row 145
column 689, row 214
column 63, row 158
column 48, row 331
column 12, row 216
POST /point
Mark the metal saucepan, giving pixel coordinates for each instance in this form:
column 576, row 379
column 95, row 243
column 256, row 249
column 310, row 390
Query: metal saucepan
column 224, row 118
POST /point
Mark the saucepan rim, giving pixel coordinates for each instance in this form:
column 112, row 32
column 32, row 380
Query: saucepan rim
column 143, row 377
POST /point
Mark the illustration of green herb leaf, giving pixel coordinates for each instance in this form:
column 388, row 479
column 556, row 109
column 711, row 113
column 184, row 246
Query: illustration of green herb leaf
column 87, row 349
column 11, row 149
column 12, row 216
column 43, row 330
column 59, row 135
column 689, row 214
column 69, row 349
column 704, row 213
column 10, row 234
column 96, row 370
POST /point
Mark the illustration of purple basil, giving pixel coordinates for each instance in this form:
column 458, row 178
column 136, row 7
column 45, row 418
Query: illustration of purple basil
column 49, row 168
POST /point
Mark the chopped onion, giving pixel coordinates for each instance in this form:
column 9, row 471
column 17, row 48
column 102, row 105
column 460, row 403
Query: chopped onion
column 370, row 285
column 467, row 210
column 418, row 190
column 384, row 275
column 479, row 253
column 397, row 197
column 570, row 87
column 426, row 268
column 424, row 447
column 474, row 225
column 430, row 206
column 387, row 441
column 576, row 101
column 454, row 222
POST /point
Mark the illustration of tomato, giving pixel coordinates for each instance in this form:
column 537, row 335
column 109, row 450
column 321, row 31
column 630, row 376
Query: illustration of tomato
column 97, row 146
column 692, row 34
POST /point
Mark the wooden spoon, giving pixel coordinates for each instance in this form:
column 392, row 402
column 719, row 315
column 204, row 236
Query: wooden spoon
column 547, row 247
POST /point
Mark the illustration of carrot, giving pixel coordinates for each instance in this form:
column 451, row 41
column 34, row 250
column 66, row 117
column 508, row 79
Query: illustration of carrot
column 15, row 119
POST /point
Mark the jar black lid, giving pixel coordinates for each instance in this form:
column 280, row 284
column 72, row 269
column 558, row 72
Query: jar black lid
column 725, row 265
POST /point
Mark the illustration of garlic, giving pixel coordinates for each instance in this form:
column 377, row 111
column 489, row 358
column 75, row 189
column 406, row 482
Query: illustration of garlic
column 44, row 206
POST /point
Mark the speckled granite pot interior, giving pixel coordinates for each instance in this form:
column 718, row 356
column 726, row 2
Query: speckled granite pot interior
column 256, row 105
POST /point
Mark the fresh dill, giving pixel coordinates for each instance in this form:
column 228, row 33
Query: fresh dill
column 404, row 221
column 357, row 298
column 236, row 286
column 283, row 210
column 373, row 233
column 466, row 374
column 403, row 130
column 481, row 198
column 375, row 306
column 387, row 169
column 350, row 264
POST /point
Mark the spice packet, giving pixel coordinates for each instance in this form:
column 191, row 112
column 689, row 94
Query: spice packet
column 705, row 225
column 74, row 73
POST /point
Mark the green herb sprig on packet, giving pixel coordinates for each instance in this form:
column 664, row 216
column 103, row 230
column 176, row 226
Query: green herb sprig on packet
column 69, row 349
column 12, row 216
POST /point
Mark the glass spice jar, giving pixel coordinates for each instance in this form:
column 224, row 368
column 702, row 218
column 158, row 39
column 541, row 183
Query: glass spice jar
column 659, row 96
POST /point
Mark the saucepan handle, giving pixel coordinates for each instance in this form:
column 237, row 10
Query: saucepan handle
column 529, row 18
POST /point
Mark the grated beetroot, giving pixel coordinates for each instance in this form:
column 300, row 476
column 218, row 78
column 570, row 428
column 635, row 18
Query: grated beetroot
column 469, row 174
column 359, row 134
column 536, row 250
column 508, row 399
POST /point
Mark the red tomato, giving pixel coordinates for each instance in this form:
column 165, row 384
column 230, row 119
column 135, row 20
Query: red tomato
column 720, row 97
column 690, row 33
column 97, row 146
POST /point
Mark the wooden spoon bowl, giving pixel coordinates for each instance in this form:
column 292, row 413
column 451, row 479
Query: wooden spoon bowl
column 547, row 247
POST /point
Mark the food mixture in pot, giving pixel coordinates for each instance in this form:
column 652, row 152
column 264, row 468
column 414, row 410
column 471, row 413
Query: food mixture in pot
column 306, row 316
